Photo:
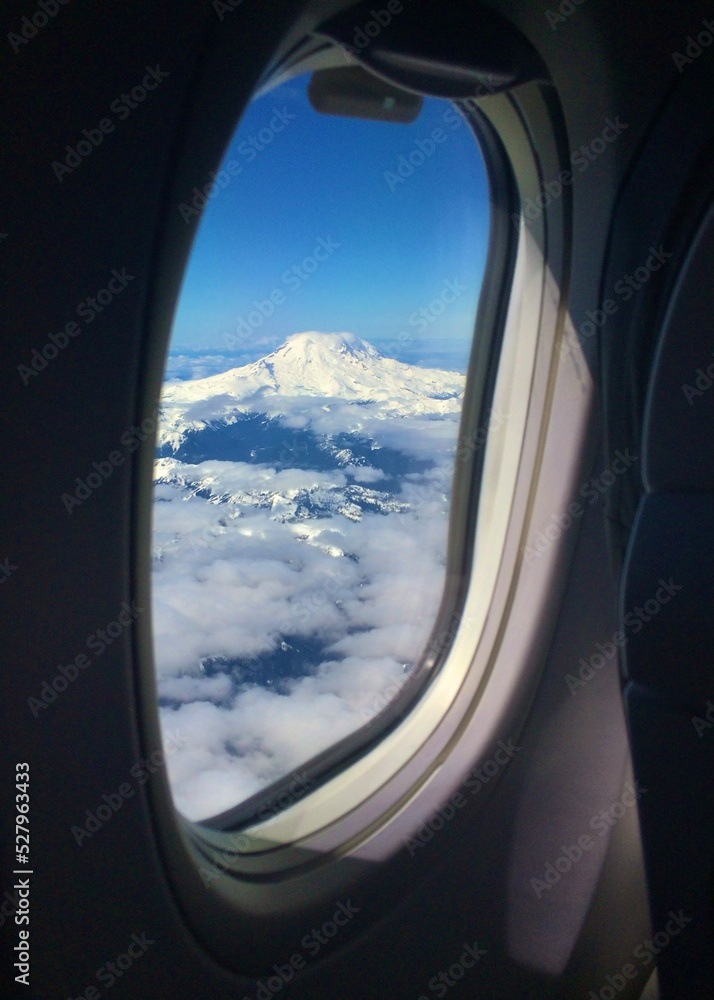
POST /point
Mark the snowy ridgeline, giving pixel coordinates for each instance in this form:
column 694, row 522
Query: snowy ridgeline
column 300, row 522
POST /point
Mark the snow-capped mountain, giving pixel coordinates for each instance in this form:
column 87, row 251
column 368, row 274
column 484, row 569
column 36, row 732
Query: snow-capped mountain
column 299, row 550
column 323, row 426
column 311, row 374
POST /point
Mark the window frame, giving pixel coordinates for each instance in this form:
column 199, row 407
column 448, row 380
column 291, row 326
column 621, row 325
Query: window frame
column 262, row 899
column 463, row 514
column 355, row 768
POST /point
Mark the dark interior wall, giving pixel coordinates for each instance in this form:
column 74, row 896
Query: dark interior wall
column 64, row 239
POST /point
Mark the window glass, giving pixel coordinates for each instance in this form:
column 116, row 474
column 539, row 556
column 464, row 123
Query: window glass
column 308, row 434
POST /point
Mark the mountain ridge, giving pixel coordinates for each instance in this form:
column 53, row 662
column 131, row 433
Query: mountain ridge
column 310, row 372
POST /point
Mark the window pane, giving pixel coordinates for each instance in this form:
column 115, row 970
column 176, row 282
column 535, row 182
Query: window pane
column 308, row 430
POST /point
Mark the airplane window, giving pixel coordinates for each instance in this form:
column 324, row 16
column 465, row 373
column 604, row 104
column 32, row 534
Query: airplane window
column 308, row 433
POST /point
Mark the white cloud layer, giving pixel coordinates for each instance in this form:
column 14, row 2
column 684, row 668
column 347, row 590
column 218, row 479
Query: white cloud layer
column 286, row 601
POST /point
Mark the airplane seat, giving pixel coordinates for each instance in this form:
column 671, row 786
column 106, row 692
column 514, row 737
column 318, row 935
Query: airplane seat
column 667, row 614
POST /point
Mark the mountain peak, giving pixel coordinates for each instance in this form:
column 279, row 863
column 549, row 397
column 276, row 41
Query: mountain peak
column 318, row 369
column 302, row 345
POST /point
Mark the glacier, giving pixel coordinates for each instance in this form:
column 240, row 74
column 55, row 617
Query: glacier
column 300, row 519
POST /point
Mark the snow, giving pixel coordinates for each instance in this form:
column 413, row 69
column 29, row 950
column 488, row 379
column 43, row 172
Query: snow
column 297, row 573
column 308, row 369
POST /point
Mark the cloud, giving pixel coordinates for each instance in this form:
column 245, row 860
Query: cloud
column 287, row 600
column 182, row 367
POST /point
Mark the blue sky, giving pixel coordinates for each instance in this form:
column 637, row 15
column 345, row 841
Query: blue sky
column 392, row 243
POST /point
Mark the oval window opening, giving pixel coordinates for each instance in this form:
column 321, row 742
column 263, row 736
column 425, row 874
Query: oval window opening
column 308, row 434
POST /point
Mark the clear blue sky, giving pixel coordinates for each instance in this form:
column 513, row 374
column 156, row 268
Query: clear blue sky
column 305, row 177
